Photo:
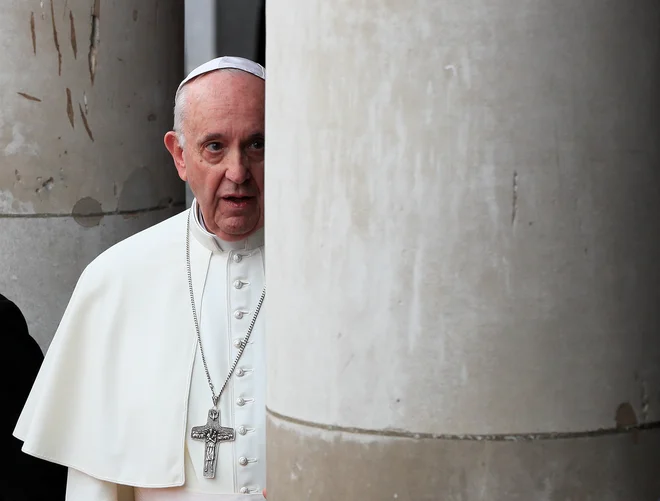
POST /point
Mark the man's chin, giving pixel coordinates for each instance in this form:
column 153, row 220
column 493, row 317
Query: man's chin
column 238, row 228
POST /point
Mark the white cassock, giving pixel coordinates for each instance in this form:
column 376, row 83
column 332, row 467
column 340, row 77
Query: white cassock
column 123, row 382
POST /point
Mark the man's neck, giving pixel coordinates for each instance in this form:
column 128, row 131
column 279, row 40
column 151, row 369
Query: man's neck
column 253, row 240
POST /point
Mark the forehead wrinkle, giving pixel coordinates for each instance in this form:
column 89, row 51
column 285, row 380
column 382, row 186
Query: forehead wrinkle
column 213, row 86
column 220, row 106
column 225, row 84
column 213, row 99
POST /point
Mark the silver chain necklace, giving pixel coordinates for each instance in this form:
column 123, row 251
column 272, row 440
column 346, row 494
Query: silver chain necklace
column 212, row 432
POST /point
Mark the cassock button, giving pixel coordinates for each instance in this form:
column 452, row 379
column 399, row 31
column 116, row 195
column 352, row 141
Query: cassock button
column 242, row 430
column 240, row 401
column 238, row 284
column 237, row 258
column 240, row 373
column 243, row 461
column 238, row 314
column 237, row 343
column 244, row 490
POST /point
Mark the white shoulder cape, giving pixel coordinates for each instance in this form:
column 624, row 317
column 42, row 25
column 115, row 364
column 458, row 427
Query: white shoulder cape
column 111, row 397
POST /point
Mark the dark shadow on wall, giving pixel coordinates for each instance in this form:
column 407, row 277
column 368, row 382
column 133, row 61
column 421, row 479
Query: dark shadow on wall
column 241, row 29
column 261, row 42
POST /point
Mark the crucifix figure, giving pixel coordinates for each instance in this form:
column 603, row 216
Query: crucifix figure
column 212, row 433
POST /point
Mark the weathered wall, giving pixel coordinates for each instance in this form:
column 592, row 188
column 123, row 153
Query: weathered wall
column 86, row 94
column 462, row 250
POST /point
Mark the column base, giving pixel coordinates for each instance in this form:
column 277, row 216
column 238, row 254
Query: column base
column 307, row 462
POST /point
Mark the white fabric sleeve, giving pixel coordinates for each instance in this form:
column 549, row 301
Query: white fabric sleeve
column 82, row 487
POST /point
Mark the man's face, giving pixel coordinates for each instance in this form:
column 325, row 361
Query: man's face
column 223, row 154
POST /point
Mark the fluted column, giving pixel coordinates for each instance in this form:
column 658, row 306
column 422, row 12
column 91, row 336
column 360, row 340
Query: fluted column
column 86, row 95
column 462, row 213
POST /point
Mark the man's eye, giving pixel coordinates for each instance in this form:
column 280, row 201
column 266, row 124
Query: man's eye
column 214, row 147
column 257, row 144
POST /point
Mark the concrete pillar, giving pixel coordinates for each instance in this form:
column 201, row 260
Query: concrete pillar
column 86, row 95
column 462, row 236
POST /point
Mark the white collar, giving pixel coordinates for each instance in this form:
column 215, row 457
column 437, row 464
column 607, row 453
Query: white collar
column 215, row 244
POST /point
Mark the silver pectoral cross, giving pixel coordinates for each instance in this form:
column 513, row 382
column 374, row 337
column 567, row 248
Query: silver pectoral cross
column 212, row 433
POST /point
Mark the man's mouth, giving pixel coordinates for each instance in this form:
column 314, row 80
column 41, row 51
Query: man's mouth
column 238, row 200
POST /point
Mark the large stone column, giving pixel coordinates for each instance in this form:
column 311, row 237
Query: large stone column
column 86, row 95
column 463, row 272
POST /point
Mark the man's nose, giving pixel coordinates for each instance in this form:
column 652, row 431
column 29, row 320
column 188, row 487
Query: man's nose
column 237, row 169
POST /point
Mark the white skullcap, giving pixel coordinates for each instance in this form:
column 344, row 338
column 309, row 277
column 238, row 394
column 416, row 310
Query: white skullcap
column 220, row 63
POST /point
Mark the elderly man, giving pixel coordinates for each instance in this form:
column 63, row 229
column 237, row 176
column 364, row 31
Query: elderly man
column 154, row 385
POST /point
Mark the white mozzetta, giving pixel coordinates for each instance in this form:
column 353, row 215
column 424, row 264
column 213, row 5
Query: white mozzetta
column 123, row 382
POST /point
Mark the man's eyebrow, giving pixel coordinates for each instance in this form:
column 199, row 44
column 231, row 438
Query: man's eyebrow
column 211, row 136
column 217, row 136
column 253, row 137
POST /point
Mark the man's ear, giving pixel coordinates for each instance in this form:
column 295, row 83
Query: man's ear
column 171, row 141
